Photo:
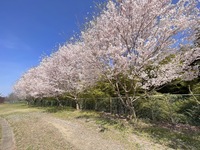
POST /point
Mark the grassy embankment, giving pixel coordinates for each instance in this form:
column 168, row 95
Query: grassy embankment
column 144, row 132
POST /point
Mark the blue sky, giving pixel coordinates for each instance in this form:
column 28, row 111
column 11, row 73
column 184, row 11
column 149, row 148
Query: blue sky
column 32, row 28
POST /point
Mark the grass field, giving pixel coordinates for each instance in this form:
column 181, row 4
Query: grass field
column 48, row 128
column 9, row 109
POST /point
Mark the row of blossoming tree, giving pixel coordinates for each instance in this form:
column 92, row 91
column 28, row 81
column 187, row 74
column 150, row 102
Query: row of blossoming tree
column 133, row 44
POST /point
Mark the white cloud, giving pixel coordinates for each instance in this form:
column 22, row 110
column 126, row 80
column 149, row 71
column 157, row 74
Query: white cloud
column 12, row 42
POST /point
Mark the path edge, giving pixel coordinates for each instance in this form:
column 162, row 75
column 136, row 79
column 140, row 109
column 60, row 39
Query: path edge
column 8, row 140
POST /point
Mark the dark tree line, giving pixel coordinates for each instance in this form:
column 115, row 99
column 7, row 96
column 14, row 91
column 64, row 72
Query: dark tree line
column 2, row 99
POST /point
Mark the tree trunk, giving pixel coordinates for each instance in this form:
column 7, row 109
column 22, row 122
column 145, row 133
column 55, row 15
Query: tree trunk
column 129, row 106
column 28, row 102
column 77, row 104
column 111, row 108
column 132, row 113
column 34, row 102
column 59, row 102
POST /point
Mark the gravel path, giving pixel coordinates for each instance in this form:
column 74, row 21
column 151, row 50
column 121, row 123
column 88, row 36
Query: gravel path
column 8, row 141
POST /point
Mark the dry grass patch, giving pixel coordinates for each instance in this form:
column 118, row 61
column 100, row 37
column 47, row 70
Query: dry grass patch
column 137, row 135
column 109, row 128
column 32, row 132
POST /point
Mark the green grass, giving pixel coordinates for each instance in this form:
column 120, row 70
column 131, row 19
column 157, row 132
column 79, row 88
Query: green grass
column 158, row 134
column 18, row 108
column 69, row 113
column 142, row 129
column 173, row 139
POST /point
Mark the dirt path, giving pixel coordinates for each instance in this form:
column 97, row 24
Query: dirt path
column 42, row 131
column 8, row 141
column 83, row 138
column 32, row 132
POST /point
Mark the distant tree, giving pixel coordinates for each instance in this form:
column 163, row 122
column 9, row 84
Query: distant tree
column 12, row 97
column 2, row 99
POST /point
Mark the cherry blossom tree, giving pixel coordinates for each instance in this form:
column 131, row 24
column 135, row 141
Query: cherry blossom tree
column 74, row 73
column 178, row 67
column 126, row 44
column 129, row 39
column 24, row 88
column 62, row 73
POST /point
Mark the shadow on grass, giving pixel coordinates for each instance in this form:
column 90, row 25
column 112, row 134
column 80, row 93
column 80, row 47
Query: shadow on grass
column 58, row 109
column 173, row 139
column 176, row 139
column 98, row 117
column 103, row 120
column 86, row 116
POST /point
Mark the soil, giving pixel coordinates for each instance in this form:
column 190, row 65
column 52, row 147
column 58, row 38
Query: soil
column 8, row 141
